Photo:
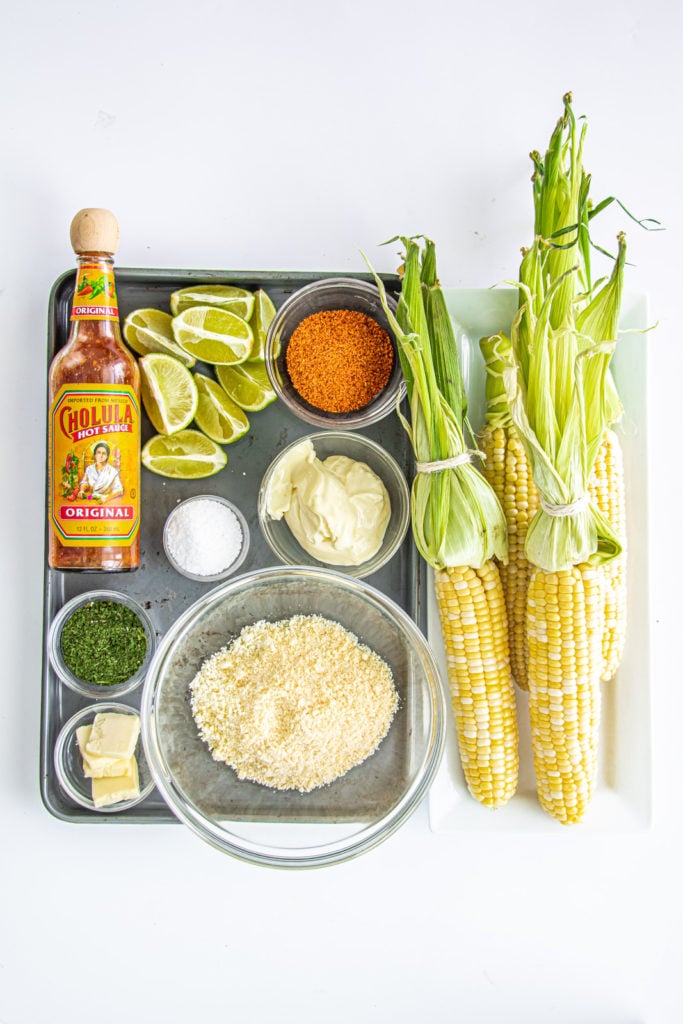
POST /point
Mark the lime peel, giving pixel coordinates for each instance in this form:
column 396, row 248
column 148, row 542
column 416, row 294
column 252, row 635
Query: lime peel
column 186, row 455
column 224, row 296
column 216, row 336
column 261, row 319
column 217, row 415
column 169, row 393
column 151, row 330
column 247, row 384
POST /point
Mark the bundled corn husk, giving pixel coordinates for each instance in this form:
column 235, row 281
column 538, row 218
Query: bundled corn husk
column 459, row 528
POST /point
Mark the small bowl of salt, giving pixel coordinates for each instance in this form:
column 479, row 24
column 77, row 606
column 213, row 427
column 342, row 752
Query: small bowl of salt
column 206, row 538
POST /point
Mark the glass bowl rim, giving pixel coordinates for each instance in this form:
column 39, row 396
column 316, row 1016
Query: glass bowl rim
column 69, row 729
column 379, row 407
column 338, row 850
column 373, row 564
column 95, row 691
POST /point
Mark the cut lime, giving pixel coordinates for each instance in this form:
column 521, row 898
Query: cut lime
column 261, row 319
column 150, row 330
column 247, row 384
column 213, row 335
column 217, row 415
column 225, row 296
column 187, row 455
column 169, row 393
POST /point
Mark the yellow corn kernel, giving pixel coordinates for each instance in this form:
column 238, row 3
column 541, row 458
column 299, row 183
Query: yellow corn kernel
column 474, row 626
column 507, row 469
column 565, row 615
column 606, row 489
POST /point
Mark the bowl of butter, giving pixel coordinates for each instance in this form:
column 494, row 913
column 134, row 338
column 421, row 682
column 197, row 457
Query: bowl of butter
column 99, row 758
column 334, row 498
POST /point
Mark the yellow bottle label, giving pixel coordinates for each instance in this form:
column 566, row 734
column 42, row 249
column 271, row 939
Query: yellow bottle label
column 94, row 465
column 95, row 295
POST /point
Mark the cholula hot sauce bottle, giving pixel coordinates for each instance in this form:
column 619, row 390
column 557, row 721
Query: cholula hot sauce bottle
column 94, row 419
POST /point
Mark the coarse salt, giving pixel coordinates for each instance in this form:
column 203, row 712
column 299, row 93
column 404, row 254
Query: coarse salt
column 204, row 537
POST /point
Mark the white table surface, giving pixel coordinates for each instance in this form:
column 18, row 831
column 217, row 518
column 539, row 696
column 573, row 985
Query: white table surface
column 290, row 136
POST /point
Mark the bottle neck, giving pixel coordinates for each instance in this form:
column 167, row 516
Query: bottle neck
column 95, row 292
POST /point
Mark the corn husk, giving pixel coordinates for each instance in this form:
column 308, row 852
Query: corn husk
column 557, row 382
column 560, row 411
column 457, row 519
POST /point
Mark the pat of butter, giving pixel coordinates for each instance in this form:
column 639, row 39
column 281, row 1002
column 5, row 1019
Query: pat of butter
column 113, row 789
column 95, row 767
column 113, row 735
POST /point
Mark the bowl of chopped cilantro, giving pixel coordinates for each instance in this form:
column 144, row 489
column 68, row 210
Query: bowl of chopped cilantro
column 101, row 643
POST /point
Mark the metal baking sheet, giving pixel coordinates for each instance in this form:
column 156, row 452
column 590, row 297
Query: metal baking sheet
column 162, row 591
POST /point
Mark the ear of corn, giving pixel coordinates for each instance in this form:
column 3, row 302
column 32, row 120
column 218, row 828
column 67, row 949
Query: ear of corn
column 565, row 617
column 606, row 488
column 459, row 528
column 507, row 469
column 565, row 609
column 598, row 320
column 562, row 400
column 473, row 623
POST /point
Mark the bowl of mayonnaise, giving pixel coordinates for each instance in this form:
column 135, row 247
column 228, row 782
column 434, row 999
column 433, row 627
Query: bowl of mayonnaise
column 334, row 498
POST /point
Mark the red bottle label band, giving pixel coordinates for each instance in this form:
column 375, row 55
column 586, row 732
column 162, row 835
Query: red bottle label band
column 70, row 512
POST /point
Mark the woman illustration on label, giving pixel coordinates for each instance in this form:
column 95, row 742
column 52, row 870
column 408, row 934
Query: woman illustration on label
column 100, row 480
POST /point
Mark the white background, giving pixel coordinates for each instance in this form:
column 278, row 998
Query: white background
column 289, row 136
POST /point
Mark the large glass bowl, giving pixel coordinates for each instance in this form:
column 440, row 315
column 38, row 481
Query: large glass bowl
column 287, row 828
column 331, row 293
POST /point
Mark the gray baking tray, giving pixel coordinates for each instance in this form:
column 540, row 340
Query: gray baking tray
column 162, row 591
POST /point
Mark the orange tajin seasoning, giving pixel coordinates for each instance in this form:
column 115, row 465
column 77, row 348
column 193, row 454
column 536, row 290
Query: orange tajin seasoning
column 339, row 359
column 94, row 419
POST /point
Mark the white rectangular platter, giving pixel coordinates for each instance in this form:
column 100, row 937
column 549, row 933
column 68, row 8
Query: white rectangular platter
column 623, row 798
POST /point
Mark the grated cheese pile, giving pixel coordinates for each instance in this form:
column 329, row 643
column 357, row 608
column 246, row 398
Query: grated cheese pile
column 294, row 704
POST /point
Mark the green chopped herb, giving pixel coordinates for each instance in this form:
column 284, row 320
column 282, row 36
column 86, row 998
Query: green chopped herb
column 103, row 643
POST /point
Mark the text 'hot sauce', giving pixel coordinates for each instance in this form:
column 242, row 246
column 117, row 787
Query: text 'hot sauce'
column 94, row 419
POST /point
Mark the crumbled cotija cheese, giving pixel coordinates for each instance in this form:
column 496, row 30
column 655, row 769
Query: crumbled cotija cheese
column 294, row 704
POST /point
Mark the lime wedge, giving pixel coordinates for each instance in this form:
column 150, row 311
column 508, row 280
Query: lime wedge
column 187, row 455
column 213, row 335
column 226, row 296
column 169, row 393
column 247, row 384
column 150, row 330
column 217, row 415
column 261, row 319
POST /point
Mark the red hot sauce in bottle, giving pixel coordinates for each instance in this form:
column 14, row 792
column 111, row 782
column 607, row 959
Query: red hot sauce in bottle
column 94, row 419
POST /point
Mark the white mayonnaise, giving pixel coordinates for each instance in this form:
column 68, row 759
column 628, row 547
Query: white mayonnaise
column 338, row 509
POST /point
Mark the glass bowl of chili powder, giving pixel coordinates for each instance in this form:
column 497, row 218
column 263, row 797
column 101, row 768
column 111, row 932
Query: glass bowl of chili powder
column 101, row 643
column 331, row 356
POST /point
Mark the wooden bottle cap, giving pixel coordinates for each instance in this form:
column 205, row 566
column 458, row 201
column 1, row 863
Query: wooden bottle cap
column 94, row 230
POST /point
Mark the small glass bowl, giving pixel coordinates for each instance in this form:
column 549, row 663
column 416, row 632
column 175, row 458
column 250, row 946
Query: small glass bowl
column 95, row 691
column 69, row 763
column 282, row 541
column 234, row 565
column 330, row 293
